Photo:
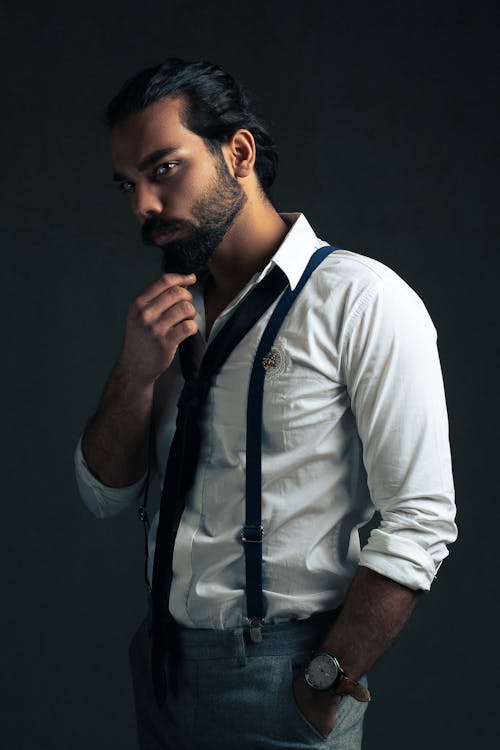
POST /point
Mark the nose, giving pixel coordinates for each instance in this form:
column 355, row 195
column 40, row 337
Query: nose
column 146, row 201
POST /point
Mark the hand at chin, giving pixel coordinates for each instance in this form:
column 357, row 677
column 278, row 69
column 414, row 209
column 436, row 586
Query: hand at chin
column 318, row 707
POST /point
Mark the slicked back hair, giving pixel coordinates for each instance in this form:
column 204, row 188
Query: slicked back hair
column 215, row 107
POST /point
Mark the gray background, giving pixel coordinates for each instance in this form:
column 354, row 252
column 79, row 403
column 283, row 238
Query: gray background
column 385, row 115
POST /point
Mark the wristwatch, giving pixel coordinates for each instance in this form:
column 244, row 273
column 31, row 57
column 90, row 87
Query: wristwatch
column 323, row 672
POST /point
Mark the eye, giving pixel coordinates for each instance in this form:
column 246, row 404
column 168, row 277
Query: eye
column 164, row 169
column 125, row 187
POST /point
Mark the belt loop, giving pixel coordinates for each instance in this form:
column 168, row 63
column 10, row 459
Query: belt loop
column 239, row 647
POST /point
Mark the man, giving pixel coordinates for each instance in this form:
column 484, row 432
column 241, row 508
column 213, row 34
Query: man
column 354, row 420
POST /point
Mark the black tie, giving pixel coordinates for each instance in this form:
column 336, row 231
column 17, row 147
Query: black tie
column 182, row 462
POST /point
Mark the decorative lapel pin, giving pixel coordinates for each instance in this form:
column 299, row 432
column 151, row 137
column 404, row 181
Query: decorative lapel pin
column 275, row 361
column 271, row 360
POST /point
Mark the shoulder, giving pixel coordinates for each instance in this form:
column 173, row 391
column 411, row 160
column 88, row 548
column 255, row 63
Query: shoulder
column 347, row 268
column 350, row 283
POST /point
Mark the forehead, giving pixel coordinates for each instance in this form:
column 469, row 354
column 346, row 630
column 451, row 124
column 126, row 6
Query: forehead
column 157, row 127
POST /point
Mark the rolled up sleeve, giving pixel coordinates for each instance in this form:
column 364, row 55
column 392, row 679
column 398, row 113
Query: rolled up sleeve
column 394, row 380
column 101, row 500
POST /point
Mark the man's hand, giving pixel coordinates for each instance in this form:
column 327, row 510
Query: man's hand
column 319, row 707
column 158, row 320
column 116, row 440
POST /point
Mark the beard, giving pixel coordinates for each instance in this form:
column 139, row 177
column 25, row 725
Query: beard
column 196, row 242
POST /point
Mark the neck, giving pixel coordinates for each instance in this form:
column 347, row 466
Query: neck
column 247, row 248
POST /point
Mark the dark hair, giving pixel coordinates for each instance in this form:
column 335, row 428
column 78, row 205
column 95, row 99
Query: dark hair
column 215, row 107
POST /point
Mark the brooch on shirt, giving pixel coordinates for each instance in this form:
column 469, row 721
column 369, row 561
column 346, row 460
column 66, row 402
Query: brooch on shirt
column 275, row 362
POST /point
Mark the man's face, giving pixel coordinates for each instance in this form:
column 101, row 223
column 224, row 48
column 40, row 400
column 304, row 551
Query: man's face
column 184, row 196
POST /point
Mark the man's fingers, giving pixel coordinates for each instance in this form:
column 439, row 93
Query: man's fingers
column 183, row 330
column 172, row 297
column 172, row 317
column 166, row 281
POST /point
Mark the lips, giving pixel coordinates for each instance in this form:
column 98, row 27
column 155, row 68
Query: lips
column 161, row 236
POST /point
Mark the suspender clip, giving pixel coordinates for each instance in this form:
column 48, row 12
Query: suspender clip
column 256, row 629
column 143, row 515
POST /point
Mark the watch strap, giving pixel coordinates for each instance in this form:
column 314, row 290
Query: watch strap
column 346, row 686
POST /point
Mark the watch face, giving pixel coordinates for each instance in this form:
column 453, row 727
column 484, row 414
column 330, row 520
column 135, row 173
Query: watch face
column 322, row 671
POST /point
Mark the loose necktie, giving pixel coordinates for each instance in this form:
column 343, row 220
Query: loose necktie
column 181, row 467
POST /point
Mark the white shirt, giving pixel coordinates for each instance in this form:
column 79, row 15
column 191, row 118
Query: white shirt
column 354, row 420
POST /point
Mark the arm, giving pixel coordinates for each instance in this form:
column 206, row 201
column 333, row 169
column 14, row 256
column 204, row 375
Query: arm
column 375, row 610
column 115, row 442
column 394, row 381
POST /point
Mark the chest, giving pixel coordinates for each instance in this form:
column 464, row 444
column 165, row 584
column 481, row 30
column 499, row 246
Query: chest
column 213, row 308
column 215, row 302
column 304, row 396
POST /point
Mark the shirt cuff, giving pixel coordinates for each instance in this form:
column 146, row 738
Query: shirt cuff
column 402, row 560
column 101, row 500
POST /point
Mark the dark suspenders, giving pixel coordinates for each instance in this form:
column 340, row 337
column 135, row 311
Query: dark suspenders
column 234, row 330
column 252, row 531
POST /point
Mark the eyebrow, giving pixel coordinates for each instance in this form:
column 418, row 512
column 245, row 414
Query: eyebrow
column 148, row 161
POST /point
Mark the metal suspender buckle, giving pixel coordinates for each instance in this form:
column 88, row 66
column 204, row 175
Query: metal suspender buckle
column 252, row 533
column 256, row 629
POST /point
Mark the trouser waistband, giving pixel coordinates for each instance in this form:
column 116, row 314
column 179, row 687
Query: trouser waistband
column 282, row 638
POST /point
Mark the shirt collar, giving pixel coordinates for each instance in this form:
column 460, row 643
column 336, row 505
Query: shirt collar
column 296, row 249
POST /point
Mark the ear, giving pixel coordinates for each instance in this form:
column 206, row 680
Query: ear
column 242, row 152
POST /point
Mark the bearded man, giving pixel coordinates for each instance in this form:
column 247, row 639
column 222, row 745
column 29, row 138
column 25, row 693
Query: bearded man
column 353, row 421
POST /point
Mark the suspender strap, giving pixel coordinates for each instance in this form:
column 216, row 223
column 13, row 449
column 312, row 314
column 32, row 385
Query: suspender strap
column 252, row 531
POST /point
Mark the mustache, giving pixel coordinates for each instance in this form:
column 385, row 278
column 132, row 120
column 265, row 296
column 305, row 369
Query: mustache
column 156, row 224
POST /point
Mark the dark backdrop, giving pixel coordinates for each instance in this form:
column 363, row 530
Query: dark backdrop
column 385, row 116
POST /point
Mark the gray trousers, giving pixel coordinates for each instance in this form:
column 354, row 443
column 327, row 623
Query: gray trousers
column 237, row 695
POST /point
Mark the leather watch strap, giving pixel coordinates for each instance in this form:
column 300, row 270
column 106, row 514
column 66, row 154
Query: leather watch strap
column 346, row 686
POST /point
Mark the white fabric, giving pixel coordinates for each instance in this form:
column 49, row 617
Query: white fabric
column 354, row 421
